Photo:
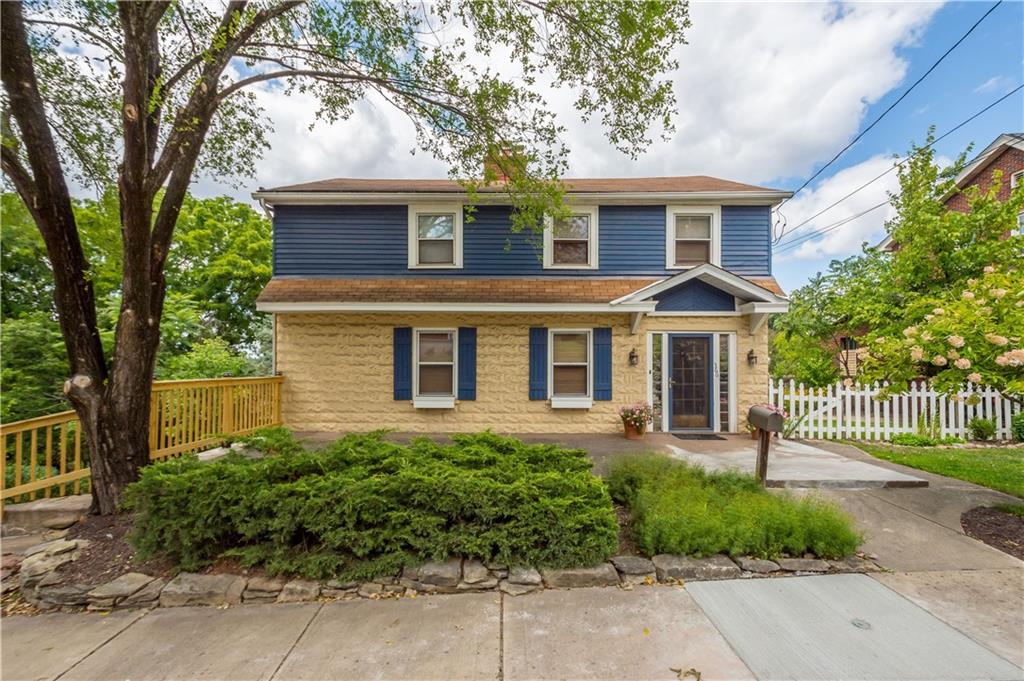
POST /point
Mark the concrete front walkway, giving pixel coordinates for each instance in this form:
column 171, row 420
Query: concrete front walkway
column 792, row 464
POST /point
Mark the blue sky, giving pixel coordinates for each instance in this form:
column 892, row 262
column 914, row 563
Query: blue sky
column 983, row 68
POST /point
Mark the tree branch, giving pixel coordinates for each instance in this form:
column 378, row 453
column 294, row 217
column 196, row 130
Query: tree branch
column 99, row 40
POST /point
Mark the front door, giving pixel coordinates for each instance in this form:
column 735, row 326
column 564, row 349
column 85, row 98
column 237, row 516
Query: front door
column 689, row 382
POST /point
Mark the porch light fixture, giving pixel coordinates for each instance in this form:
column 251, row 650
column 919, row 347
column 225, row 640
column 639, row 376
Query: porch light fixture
column 634, row 358
column 751, row 358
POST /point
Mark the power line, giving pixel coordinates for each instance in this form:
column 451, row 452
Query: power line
column 790, row 245
column 891, row 106
column 897, row 165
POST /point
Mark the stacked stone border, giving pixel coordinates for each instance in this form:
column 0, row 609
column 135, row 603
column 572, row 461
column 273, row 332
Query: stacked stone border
column 41, row 583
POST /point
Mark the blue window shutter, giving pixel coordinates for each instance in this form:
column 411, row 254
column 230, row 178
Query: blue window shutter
column 538, row 363
column 603, row 363
column 403, row 363
column 467, row 363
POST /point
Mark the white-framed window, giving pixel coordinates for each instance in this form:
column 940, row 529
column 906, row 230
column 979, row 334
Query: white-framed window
column 693, row 236
column 570, row 368
column 435, row 236
column 435, row 368
column 1020, row 222
column 1016, row 178
column 572, row 243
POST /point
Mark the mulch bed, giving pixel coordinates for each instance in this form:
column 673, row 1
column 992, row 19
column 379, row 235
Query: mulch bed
column 108, row 554
column 1000, row 530
column 627, row 540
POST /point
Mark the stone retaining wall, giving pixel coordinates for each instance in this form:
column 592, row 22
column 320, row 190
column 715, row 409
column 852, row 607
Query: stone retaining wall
column 41, row 584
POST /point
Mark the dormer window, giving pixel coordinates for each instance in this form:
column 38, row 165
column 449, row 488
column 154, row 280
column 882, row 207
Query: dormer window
column 693, row 236
column 435, row 236
column 571, row 243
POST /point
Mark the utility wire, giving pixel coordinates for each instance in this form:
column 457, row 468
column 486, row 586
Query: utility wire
column 899, row 164
column 791, row 245
column 890, row 107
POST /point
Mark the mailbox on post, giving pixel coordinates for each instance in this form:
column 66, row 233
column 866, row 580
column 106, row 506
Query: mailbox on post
column 767, row 421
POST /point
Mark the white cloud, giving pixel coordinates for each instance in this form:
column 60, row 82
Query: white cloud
column 765, row 91
column 996, row 84
column 845, row 238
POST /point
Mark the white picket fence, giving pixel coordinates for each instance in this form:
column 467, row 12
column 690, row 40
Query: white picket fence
column 853, row 413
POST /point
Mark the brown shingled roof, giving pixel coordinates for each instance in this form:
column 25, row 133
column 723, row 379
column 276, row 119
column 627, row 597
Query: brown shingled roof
column 466, row 290
column 610, row 185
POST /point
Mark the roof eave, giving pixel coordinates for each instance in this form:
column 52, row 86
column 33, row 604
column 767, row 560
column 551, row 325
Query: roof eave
column 276, row 198
column 391, row 306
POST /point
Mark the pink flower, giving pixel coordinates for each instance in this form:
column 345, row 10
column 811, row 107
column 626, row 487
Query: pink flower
column 1013, row 358
column 996, row 339
column 998, row 292
column 910, row 331
column 938, row 310
column 989, row 269
column 973, row 378
column 848, row 382
column 916, row 353
column 939, row 361
column 968, row 295
column 926, row 336
column 963, row 363
column 956, row 341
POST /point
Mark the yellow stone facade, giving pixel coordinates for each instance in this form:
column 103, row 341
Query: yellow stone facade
column 338, row 371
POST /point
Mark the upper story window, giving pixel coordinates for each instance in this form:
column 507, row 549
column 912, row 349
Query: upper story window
column 572, row 243
column 435, row 236
column 570, row 368
column 693, row 236
column 1016, row 179
column 434, row 371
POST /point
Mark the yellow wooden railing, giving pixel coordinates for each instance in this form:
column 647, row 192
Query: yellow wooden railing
column 47, row 456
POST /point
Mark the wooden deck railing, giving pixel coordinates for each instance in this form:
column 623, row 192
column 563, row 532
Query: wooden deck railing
column 48, row 457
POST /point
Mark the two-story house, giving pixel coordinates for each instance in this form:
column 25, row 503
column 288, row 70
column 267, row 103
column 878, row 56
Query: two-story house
column 395, row 308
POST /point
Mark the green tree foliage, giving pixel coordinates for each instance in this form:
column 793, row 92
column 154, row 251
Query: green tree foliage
column 209, row 358
column 941, row 254
column 33, row 366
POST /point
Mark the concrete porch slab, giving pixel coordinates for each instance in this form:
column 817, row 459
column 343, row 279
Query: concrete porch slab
column 614, row 634
column 841, row 627
column 792, row 464
column 30, row 515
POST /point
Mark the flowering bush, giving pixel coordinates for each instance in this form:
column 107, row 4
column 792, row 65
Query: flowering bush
column 637, row 415
column 972, row 336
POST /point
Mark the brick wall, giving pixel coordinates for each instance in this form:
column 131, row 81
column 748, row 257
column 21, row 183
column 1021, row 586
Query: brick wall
column 1009, row 161
column 338, row 371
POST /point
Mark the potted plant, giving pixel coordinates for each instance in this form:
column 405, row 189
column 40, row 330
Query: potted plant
column 635, row 418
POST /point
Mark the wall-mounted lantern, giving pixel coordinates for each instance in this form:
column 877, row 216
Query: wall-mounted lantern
column 634, row 358
column 751, row 358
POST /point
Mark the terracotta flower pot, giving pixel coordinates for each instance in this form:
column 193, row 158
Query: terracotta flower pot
column 634, row 432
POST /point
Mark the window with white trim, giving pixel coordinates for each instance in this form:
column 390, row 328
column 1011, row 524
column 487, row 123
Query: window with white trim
column 1020, row 222
column 435, row 236
column 692, row 236
column 435, row 355
column 571, row 359
column 1016, row 178
column 571, row 243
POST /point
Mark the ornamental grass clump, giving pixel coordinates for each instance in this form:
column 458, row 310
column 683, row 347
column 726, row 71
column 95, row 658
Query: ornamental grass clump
column 363, row 507
column 680, row 508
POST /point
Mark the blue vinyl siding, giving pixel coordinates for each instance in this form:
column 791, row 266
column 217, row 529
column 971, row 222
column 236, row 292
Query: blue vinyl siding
column 746, row 240
column 695, row 296
column 373, row 241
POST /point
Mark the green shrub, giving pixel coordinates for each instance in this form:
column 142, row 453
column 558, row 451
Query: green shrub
column 680, row 508
column 276, row 441
column 982, row 429
column 1012, row 509
column 363, row 507
column 915, row 440
column 1017, row 427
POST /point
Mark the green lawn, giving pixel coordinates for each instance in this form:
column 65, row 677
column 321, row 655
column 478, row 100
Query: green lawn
column 1000, row 468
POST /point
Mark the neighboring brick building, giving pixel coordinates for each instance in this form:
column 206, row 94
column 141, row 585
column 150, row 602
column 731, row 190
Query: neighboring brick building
column 1006, row 154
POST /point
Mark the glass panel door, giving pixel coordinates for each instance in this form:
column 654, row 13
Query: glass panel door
column 689, row 384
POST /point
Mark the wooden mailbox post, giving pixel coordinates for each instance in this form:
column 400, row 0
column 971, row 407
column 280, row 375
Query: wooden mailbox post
column 767, row 422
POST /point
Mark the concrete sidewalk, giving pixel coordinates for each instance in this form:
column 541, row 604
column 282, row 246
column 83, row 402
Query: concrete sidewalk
column 652, row 632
